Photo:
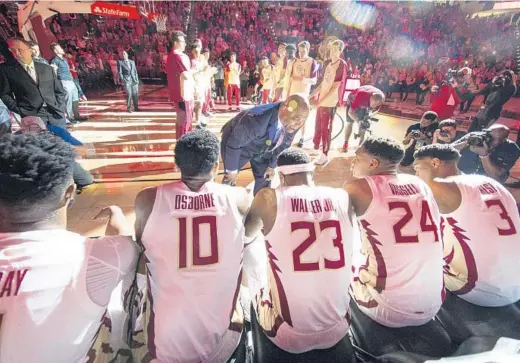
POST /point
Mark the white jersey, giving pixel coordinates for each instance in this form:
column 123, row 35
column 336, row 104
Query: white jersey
column 309, row 248
column 46, row 308
column 482, row 243
column 399, row 268
column 268, row 74
column 281, row 65
column 234, row 74
column 194, row 243
column 302, row 68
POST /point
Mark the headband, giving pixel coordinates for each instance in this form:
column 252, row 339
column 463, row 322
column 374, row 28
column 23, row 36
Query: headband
column 296, row 168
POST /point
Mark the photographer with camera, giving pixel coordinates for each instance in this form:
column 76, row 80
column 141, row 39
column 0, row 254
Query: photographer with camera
column 418, row 135
column 498, row 92
column 362, row 104
column 488, row 152
column 447, row 132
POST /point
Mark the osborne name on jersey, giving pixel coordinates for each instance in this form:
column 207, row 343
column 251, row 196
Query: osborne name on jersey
column 196, row 202
column 405, row 189
column 303, row 205
column 487, row 188
column 11, row 282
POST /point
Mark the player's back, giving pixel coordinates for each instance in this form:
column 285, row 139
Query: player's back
column 399, row 268
column 481, row 243
column 46, row 314
column 309, row 250
column 194, row 244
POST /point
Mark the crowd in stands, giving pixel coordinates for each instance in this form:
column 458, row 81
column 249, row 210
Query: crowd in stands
column 405, row 46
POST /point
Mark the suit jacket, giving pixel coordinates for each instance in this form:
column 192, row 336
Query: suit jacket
column 21, row 94
column 127, row 73
column 251, row 135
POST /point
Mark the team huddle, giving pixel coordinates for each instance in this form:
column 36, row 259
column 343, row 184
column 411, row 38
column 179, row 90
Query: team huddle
column 389, row 245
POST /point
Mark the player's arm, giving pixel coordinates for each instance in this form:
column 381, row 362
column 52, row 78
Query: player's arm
column 408, row 136
column 243, row 200
column 117, row 223
column 143, row 208
column 261, row 215
column 447, row 195
column 360, row 195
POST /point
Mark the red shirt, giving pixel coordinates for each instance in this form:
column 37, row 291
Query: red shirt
column 175, row 65
column 361, row 97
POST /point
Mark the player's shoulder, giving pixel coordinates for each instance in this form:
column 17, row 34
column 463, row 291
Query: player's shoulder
column 108, row 247
column 355, row 186
column 146, row 196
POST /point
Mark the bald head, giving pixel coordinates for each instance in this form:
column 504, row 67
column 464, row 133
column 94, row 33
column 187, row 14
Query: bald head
column 20, row 49
column 499, row 133
column 294, row 112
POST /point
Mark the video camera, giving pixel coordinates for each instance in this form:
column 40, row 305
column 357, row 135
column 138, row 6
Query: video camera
column 502, row 80
column 479, row 138
column 364, row 124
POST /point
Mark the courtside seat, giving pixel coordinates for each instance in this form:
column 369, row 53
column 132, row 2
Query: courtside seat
column 463, row 320
column 266, row 351
column 473, row 345
column 430, row 340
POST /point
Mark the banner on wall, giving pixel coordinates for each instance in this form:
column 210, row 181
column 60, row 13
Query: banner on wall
column 115, row 10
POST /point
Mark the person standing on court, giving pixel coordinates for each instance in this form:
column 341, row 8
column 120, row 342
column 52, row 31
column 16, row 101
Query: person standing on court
column 62, row 68
column 130, row 79
column 258, row 136
column 30, row 88
column 180, row 84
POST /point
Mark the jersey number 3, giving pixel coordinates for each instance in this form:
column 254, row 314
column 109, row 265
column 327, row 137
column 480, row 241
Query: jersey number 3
column 311, row 228
column 197, row 259
column 427, row 223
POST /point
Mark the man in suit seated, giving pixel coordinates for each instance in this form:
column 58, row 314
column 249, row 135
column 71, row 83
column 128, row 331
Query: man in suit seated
column 30, row 88
column 130, row 79
column 259, row 135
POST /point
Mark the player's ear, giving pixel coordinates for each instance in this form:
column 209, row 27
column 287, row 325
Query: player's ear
column 375, row 163
column 282, row 179
column 215, row 168
column 435, row 162
column 69, row 195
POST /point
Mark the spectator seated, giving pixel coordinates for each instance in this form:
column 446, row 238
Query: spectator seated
column 265, row 351
column 371, row 337
column 463, row 320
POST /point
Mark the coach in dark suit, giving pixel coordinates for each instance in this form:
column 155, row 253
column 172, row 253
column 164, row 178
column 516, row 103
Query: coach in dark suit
column 259, row 135
column 130, row 79
column 30, row 88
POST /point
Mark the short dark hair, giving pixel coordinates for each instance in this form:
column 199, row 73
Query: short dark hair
column 35, row 169
column 430, row 115
column 282, row 43
column 196, row 152
column 176, row 35
column 205, row 50
column 448, row 122
column 292, row 157
column 444, row 152
column 53, row 45
column 384, row 148
column 232, row 54
column 290, row 47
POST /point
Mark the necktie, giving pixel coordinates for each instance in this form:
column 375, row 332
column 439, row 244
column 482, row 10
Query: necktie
column 279, row 137
column 30, row 69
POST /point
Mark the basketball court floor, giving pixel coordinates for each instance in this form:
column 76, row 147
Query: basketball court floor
column 131, row 151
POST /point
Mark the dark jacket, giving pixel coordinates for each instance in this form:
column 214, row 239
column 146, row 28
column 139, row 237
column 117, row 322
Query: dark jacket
column 21, row 94
column 246, row 136
column 127, row 73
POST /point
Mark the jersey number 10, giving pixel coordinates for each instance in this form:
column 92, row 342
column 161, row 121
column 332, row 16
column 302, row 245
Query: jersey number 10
column 197, row 259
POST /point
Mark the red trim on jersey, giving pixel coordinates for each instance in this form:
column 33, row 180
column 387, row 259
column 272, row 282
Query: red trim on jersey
column 233, row 325
column 151, row 323
column 282, row 297
column 471, row 265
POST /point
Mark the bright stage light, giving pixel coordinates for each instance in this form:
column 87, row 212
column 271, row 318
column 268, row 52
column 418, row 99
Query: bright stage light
column 354, row 14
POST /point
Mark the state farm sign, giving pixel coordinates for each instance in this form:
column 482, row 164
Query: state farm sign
column 115, row 10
